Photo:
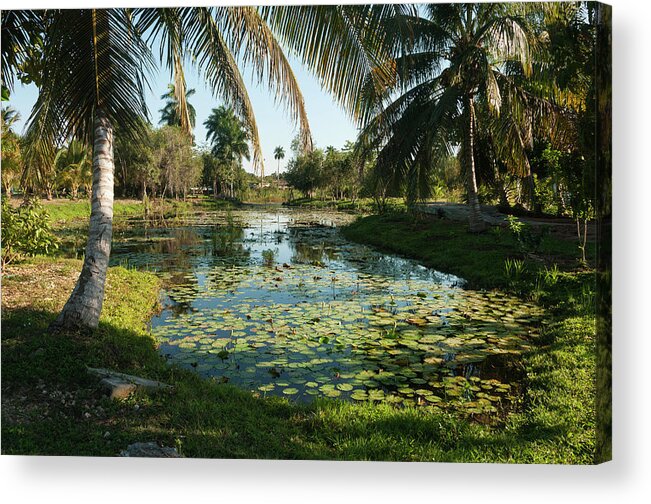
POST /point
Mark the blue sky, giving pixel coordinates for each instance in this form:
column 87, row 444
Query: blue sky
column 329, row 124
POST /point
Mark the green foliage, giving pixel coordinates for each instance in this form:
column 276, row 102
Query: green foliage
column 163, row 162
column 229, row 139
column 514, row 270
column 74, row 168
column 305, row 172
column 25, row 231
column 331, row 174
column 269, row 257
column 564, row 181
column 169, row 114
column 135, row 168
column 179, row 166
column 279, row 153
column 11, row 151
column 528, row 240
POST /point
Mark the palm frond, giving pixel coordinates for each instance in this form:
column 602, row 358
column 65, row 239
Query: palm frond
column 92, row 59
column 344, row 45
column 20, row 29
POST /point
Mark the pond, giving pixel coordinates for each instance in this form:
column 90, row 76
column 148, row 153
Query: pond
column 275, row 300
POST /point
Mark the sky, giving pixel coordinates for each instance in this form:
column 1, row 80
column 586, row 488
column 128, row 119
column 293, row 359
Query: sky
column 328, row 123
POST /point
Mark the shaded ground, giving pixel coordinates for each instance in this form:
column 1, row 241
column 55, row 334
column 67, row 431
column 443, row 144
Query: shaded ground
column 563, row 227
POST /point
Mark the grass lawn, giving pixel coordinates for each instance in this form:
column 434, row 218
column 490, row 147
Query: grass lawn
column 51, row 406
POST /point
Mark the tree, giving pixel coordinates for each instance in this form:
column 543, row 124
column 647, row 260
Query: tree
column 458, row 75
column 11, row 153
column 305, row 172
column 171, row 112
column 279, row 153
column 135, row 169
column 73, row 166
column 92, row 77
column 229, row 139
column 178, row 166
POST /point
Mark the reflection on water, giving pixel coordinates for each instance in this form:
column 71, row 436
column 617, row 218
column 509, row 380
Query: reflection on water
column 277, row 301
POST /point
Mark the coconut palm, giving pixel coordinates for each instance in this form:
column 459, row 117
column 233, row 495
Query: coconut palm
column 229, row 139
column 9, row 117
column 94, row 66
column 93, row 77
column 20, row 37
column 170, row 113
column 73, row 165
column 459, row 73
column 279, row 153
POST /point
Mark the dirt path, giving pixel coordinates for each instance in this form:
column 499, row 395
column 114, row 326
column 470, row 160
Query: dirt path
column 562, row 227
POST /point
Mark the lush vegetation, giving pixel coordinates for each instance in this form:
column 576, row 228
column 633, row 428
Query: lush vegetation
column 25, row 231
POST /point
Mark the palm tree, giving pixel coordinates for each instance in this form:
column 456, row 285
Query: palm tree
column 93, row 77
column 9, row 117
column 458, row 74
column 94, row 65
column 279, row 153
column 229, row 139
column 170, row 113
column 73, row 165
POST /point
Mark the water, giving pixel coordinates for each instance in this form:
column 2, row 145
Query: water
column 276, row 301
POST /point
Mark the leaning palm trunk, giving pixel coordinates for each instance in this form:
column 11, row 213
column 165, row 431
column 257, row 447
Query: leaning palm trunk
column 85, row 304
column 475, row 221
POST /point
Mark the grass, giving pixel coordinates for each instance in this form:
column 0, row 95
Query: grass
column 64, row 211
column 360, row 205
column 51, row 406
column 446, row 245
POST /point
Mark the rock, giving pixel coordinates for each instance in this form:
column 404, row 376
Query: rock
column 122, row 385
column 149, row 450
column 119, row 389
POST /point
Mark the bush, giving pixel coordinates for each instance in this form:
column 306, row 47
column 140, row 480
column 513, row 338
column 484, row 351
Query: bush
column 529, row 241
column 25, row 231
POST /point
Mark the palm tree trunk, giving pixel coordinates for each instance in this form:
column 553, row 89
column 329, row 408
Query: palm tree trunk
column 83, row 308
column 536, row 207
column 501, row 189
column 475, row 221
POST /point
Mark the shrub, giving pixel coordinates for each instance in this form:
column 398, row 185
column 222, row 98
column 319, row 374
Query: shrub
column 529, row 241
column 25, row 231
